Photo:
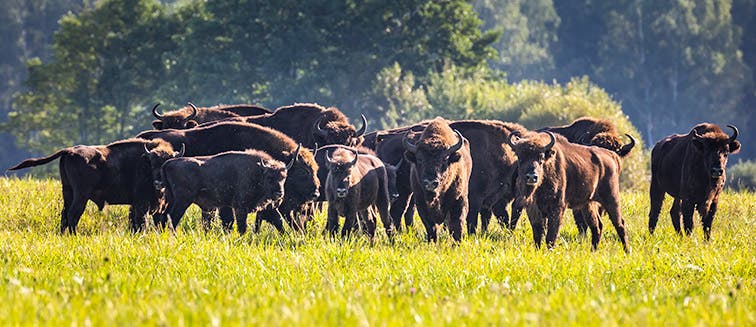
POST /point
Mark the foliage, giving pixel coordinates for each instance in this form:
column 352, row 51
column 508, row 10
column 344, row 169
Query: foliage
column 107, row 276
column 742, row 175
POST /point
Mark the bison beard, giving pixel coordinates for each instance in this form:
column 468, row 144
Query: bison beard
column 119, row 173
column 560, row 174
column 441, row 168
column 690, row 168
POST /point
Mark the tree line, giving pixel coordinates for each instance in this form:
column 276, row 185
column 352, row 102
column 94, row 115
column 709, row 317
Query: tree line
column 87, row 72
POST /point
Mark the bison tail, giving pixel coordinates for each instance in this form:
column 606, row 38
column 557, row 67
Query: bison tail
column 38, row 161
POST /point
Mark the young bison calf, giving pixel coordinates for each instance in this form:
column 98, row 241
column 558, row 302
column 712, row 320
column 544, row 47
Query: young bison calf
column 355, row 182
column 244, row 181
column 561, row 174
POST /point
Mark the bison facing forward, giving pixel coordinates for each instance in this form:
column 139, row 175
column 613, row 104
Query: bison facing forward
column 690, row 168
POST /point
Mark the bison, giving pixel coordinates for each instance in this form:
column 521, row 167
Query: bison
column 356, row 182
column 117, row 173
column 441, row 168
column 691, row 168
column 554, row 176
column 191, row 116
column 302, row 184
column 243, row 180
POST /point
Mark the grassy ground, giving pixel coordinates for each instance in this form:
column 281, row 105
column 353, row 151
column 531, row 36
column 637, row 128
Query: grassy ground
column 106, row 275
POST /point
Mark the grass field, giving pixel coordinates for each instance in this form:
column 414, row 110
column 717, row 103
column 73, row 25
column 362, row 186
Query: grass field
column 108, row 276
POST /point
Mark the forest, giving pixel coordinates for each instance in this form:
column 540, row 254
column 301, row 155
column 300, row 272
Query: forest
column 88, row 72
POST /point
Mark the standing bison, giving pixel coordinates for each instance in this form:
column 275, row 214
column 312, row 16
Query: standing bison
column 691, row 168
column 244, row 181
column 117, row 173
column 559, row 174
column 356, row 182
column 191, row 116
column 441, row 168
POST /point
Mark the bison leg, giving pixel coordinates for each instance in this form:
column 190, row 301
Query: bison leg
column 688, row 207
column 430, row 225
column 382, row 205
column 227, row 218
column 398, row 209
column 350, row 221
column 472, row 214
column 272, row 216
column 456, row 220
column 332, row 222
column 136, row 217
column 409, row 214
column 675, row 214
column 67, row 200
column 613, row 209
column 485, row 218
column 581, row 217
column 516, row 213
column 536, row 224
column 707, row 220
column 553, row 224
column 368, row 221
column 241, row 220
column 500, row 211
column 176, row 210
column 657, row 198
column 207, row 219
column 592, row 217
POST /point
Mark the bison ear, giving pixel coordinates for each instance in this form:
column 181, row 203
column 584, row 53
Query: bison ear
column 191, row 124
column 409, row 156
column 549, row 154
column 157, row 124
column 734, row 147
column 454, row 157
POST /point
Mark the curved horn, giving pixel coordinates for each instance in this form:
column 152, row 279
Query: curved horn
column 509, row 138
column 294, row 157
column 315, row 150
column 356, row 157
column 399, row 164
column 407, row 145
column 318, row 129
column 734, row 132
column 194, row 111
column 553, row 141
column 146, row 149
column 459, row 144
column 264, row 164
column 181, row 153
column 363, row 128
column 155, row 113
column 625, row 149
column 329, row 158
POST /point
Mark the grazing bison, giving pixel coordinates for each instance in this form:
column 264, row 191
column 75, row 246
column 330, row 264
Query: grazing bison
column 191, row 116
column 301, row 185
column 310, row 124
column 243, row 180
column 690, row 168
column 117, row 173
column 559, row 174
column 441, row 167
column 356, row 182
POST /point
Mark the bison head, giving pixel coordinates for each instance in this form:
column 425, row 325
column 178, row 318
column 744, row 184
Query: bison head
column 272, row 180
column 332, row 127
column 302, row 181
column 340, row 167
column 391, row 171
column 178, row 119
column 714, row 146
column 533, row 154
column 432, row 156
column 157, row 152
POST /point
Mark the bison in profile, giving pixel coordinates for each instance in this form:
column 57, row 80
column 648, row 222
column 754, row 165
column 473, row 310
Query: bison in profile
column 557, row 174
column 355, row 183
column 243, row 180
column 691, row 168
column 191, row 116
column 441, row 168
column 118, row 173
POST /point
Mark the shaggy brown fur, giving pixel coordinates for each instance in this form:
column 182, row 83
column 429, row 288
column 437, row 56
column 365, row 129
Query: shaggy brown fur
column 117, row 173
column 440, row 175
column 593, row 131
column 553, row 178
column 691, row 168
column 183, row 119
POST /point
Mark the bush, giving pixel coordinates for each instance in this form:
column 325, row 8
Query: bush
column 742, row 176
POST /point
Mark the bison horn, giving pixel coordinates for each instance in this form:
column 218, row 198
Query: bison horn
column 459, row 144
column 509, row 138
column 399, row 164
column 263, row 164
column 329, row 158
column 181, row 153
column 315, row 150
column 625, row 149
column 734, row 132
column 155, row 113
column 553, row 141
column 356, row 157
column 407, row 145
column 320, row 131
column 146, row 149
column 194, row 111
column 363, row 128
column 294, row 157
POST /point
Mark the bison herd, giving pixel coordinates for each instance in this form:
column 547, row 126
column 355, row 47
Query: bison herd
column 283, row 164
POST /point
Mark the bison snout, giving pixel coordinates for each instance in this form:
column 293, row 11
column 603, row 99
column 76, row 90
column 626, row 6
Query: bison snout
column 430, row 184
column 341, row 192
column 315, row 195
column 394, row 196
column 158, row 185
column 278, row 194
column 717, row 172
column 531, row 178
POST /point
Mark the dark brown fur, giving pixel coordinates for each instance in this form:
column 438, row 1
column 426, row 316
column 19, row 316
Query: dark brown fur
column 180, row 119
column 440, row 177
column 691, row 168
column 593, row 131
column 567, row 175
column 117, row 173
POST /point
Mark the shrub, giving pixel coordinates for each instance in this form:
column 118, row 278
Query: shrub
column 742, row 176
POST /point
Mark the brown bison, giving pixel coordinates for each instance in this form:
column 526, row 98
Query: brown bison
column 117, row 173
column 691, row 168
column 557, row 174
column 310, row 124
column 243, row 180
column 441, row 167
column 356, row 182
column 302, row 183
column 191, row 116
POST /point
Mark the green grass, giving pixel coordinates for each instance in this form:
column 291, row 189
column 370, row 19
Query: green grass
column 107, row 275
